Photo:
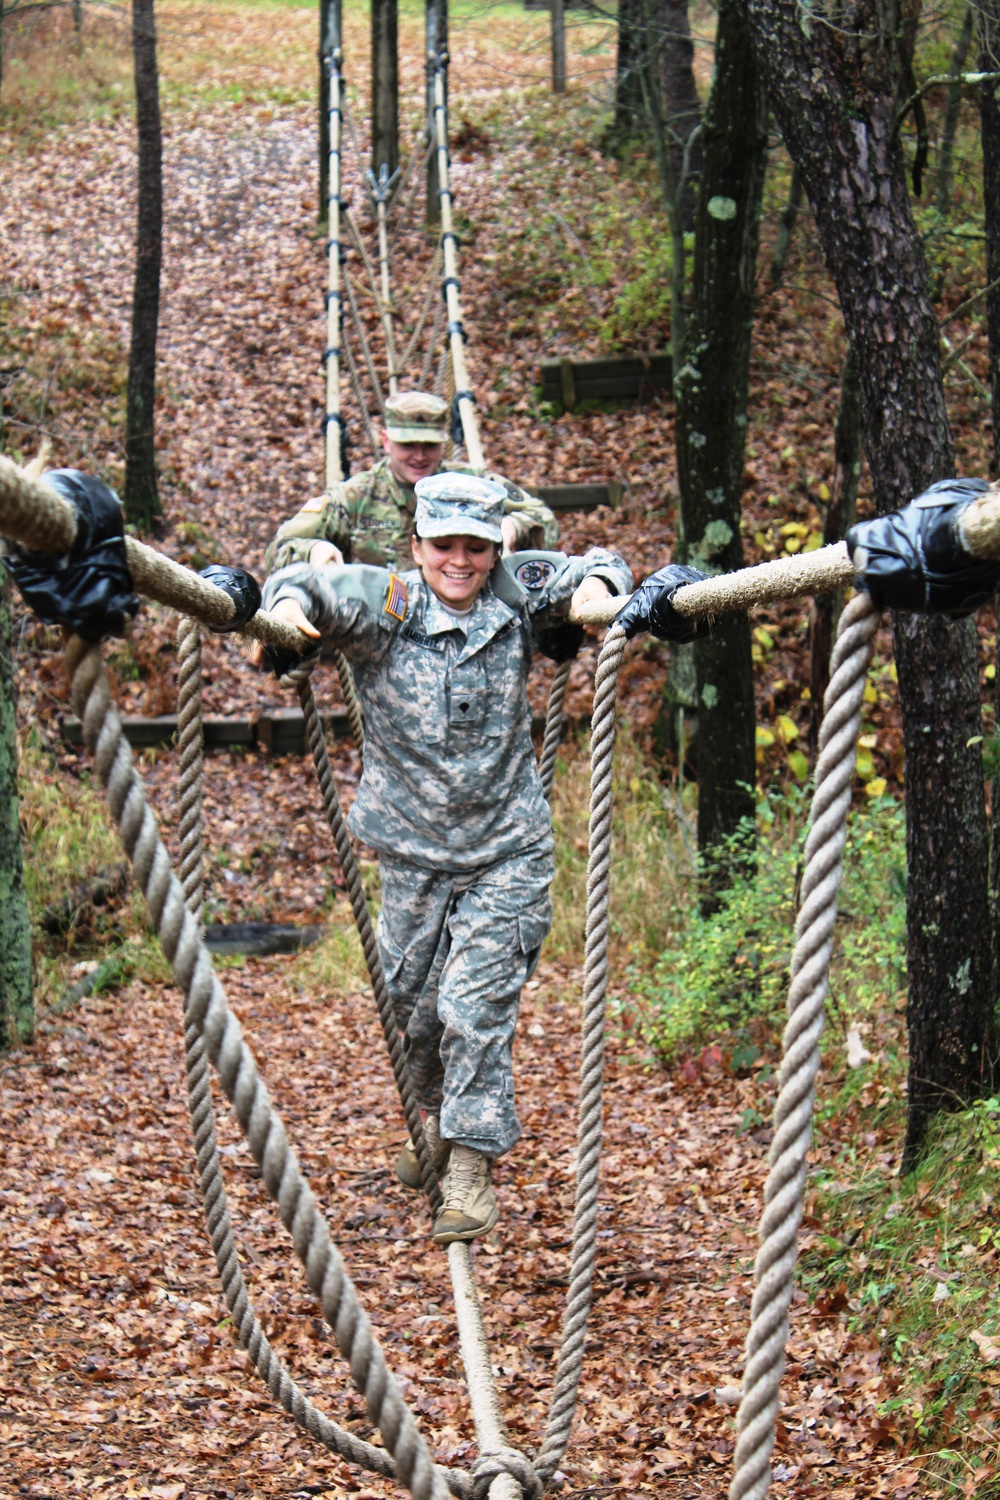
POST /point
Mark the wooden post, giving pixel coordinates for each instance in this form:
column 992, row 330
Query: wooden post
column 385, row 86
column 329, row 42
column 558, row 47
column 436, row 34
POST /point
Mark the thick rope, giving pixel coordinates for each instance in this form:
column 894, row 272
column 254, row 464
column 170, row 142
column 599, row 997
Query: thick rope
column 191, row 751
column 362, row 917
column 200, row 1105
column 366, row 351
column 554, row 719
column 588, row 1158
column 428, row 285
column 359, row 395
column 783, row 1194
column 349, row 693
column 207, row 1011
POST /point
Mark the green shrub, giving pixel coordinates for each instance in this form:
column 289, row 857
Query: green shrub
column 727, row 973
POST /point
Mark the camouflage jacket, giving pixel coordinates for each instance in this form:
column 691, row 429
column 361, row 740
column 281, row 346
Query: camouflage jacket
column 450, row 780
column 370, row 518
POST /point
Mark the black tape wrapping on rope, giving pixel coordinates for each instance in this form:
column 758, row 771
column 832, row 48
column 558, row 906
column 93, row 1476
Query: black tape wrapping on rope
column 241, row 586
column 455, row 424
column 89, row 588
column 650, row 607
column 914, row 559
column 457, row 326
column 345, row 446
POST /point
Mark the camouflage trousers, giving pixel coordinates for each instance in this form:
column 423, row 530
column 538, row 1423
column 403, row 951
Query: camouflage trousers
column 456, row 949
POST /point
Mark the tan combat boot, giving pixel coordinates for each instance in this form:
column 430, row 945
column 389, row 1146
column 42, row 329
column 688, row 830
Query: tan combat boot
column 408, row 1165
column 470, row 1205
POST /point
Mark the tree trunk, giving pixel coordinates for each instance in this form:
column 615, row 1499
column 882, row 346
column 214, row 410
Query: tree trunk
column 945, row 172
column 558, row 26
column 16, row 996
column 833, row 93
column 682, row 106
column 141, row 500
column 711, row 395
column 436, row 38
column 628, row 84
column 848, row 454
column 329, row 42
column 989, row 115
column 385, row 86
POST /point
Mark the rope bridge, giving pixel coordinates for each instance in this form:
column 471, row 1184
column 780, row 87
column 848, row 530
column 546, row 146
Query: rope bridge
column 36, row 517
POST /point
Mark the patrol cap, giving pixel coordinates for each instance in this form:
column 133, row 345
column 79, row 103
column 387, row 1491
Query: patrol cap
column 459, row 505
column 416, row 417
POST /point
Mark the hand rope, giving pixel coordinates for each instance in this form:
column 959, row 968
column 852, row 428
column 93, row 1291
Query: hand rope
column 206, row 1011
column 783, row 1194
column 554, row 718
column 361, row 399
column 429, row 288
column 366, row 351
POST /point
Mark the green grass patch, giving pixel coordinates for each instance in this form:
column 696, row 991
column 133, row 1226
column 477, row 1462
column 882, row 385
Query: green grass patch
column 652, row 867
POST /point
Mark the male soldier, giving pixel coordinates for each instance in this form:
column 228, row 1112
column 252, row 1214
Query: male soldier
column 450, row 798
column 369, row 517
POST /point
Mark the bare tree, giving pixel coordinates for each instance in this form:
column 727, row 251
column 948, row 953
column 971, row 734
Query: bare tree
column 711, row 393
column 140, row 498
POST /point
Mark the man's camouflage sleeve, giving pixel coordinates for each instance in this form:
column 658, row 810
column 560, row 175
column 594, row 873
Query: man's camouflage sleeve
column 326, row 519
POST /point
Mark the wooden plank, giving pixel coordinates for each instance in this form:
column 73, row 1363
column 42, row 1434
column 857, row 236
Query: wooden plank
column 220, row 734
column 561, row 497
column 567, row 383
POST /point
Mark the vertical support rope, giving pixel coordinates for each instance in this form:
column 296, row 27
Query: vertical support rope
column 206, row 1009
column 191, row 746
column 456, row 328
column 554, row 718
column 588, row 1158
column 783, row 1193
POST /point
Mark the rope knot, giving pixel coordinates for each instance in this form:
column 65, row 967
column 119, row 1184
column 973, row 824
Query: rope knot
column 300, row 672
column 490, row 1466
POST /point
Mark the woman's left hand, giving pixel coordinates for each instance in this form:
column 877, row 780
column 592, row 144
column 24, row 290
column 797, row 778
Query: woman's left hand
column 590, row 589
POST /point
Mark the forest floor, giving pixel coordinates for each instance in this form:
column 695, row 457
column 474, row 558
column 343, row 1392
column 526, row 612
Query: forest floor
column 119, row 1375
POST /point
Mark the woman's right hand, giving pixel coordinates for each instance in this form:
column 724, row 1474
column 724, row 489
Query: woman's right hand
column 291, row 611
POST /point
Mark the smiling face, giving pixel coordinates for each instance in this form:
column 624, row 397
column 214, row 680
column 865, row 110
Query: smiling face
column 455, row 567
column 412, row 461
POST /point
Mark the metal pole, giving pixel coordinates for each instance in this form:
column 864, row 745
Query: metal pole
column 449, row 242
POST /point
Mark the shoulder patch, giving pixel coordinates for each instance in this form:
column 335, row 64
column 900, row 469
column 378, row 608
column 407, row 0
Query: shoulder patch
column 314, row 506
column 395, row 599
column 535, row 573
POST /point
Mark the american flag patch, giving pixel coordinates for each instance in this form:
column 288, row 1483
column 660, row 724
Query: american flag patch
column 395, row 603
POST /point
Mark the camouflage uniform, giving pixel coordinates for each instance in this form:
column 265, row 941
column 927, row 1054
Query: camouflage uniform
column 451, row 799
column 370, row 518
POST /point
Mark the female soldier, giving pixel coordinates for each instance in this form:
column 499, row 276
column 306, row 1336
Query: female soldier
column 451, row 799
